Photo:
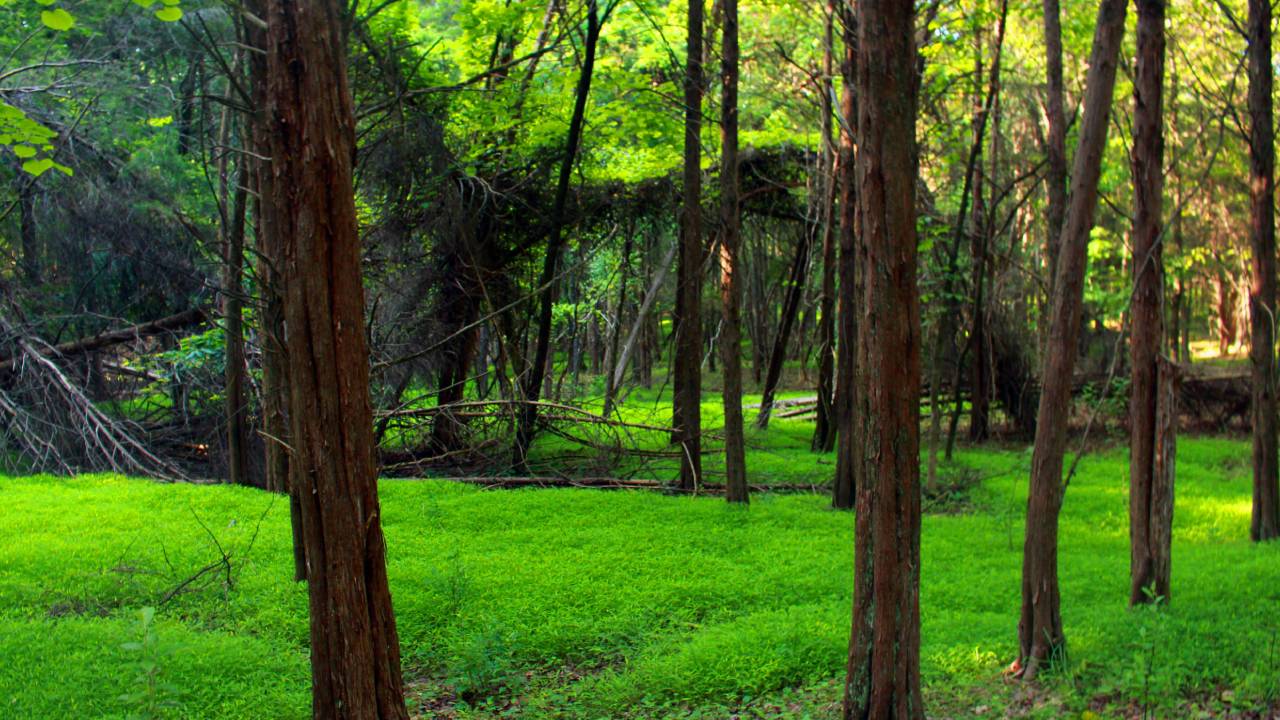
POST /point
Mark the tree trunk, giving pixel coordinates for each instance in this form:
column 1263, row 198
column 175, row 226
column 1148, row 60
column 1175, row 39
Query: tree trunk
column 1262, row 295
column 534, row 377
column 688, row 355
column 848, row 381
column 275, row 367
column 235, row 371
column 1148, row 566
column 790, row 308
column 355, row 653
column 883, row 678
column 638, row 327
column 1056, row 140
column 824, row 430
column 1040, row 627
column 735, row 463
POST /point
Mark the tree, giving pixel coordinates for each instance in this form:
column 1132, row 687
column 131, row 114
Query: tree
column 883, row 678
column 355, row 652
column 1265, row 524
column 1150, row 491
column 848, row 381
column 1040, row 625
column 687, row 409
column 735, row 464
column 1056, row 141
column 547, row 282
column 824, row 429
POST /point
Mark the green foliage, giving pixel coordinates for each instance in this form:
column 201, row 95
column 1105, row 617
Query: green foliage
column 570, row 603
column 152, row 695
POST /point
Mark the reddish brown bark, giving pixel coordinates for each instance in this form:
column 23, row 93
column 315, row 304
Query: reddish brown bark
column 1265, row 524
column 688, row 356
column 355, row 653
column 883, row 679
column 1148, row 517
column 735, row 463
column 1040, row 627
column 848, row 381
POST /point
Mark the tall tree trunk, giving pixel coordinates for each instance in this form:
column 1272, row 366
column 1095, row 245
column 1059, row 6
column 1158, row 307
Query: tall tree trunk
column 235, row 370
column 1040, row 626
column 275, row 368
column 883, row 678
column 735, row 463
column 790, row 308
column 355, row 653
column 534, row 377
column 1150, row 517
column 1056, row 139
column 1262, row 295
column 848, row 381
column 688, row 354
column 824, row 429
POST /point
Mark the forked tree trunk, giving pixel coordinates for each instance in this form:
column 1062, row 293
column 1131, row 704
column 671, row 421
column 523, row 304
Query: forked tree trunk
column 1040, row 626
column 1148, row 516
column 790, row 308
column 355, row 653
column 1262, row 294
column 883, row 679
column 735, row 463
column 848, row 381
column 687, row 408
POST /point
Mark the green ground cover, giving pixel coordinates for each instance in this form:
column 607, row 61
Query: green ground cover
column 591, row 604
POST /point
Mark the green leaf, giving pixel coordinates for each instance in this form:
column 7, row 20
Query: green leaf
column 57, row 19
column 24, row 151
column 169, row 14
column 46, row 2
column 37, row 167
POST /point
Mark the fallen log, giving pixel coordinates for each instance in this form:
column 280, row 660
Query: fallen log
column 115, row 337
column 608, row 483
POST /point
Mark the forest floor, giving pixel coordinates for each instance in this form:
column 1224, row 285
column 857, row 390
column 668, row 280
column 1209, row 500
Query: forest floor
column 570, row 603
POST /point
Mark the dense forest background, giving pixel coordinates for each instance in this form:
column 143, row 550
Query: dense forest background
column 866, row 251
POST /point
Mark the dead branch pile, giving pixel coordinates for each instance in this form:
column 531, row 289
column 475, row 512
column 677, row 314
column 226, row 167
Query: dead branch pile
column 49, row 424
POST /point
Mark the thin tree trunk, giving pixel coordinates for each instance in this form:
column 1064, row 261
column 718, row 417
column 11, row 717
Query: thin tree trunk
column 848, row 381
column 1149, row 557
column 31, row 265
column 883, row 679
column 532, row 389
column 637, row 328
column 1265, row 524
column 735, row 463
column 611, row 381
column 235, row 370
column 355, row 652
column 824, row 430
column 688, row 355
column 790, row 308
column 1040, row 627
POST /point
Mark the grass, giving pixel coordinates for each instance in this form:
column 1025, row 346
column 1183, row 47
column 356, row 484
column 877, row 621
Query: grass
column 587, row 604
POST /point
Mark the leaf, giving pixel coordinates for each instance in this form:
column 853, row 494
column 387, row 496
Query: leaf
column 169, row 14
column 37, row 167
column 57, row 19
column 24, row 151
